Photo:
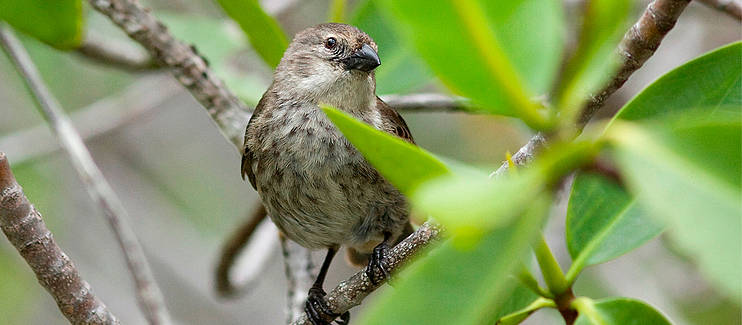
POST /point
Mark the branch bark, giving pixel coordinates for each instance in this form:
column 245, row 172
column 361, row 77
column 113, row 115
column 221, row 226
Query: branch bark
column 732, row 8
column 111, row 52
column 148, row 294
column 25, row 229
column 427, row 102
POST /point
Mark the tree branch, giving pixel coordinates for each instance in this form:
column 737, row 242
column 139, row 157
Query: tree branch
column 428, row 102
column 351, row 292
column 25, row 229
column 188, row 67
column 148, row 294
column 732, row 8
column 111, row 52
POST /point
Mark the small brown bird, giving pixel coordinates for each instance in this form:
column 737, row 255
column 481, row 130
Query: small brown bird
column 317, row 188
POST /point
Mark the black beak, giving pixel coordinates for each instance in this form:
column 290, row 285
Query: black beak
column 365, row 59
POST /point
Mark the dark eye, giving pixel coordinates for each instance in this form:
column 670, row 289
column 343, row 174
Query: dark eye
column 330, row 42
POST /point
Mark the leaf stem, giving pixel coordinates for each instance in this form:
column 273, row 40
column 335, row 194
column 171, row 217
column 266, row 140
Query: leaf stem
column 526, row 278
column 553, row 275
column 586, row 306
column 520, row 315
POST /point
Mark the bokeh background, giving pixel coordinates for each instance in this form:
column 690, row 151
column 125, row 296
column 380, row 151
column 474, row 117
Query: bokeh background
column 179, row 178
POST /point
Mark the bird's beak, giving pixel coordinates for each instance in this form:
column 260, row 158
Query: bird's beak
column 364, row 59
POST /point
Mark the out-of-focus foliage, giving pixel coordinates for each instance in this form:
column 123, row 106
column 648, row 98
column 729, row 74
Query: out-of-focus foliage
column 264, row 32
column 619, row 311
column 603, row 222
column 58, row 23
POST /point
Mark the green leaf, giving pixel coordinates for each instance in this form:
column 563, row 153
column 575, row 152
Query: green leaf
column 618, row 311
column 499, row 53
column 401, row 69
column 264, row 32
column 711, row 81
column 595, row 58
column 459, row 286
column 520, row 315
column 57, row 23
column 687, row 173
column 603, row 222
column 403, row 164
column 473, row 203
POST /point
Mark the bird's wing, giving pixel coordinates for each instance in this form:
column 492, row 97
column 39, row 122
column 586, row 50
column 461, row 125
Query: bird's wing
column 247, row 155
column 393, row 122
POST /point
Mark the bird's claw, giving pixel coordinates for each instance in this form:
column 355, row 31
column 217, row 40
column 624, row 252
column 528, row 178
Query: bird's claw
column 319, row 313
column 378, row 261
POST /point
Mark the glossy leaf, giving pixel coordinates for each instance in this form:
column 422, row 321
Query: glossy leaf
column 401, row 69
column 603, row 222
column 617, row 311
column 403, row 164
column 57, row 23
column 687, row 173
column 711, row 82
column 594, row 59
column 490, row 203
column 263, row 31
column 452, row 285
column 499, row 53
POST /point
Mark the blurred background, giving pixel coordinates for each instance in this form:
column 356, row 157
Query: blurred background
column 179, row 178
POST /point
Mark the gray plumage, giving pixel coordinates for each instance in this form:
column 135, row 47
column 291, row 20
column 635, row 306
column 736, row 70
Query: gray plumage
column 317, row 188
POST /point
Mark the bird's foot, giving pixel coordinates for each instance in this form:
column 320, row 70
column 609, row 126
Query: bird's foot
column 319, row 313
column 377, row 270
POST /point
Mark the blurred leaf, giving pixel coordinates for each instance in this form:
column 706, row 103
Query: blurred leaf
column 711, row 81
column 14, row 288
column 499, row 53
column 520, row 315
column 687, row 172
column 337, row 11
column 519, row 298
column 595, row 58
column 455, row 286
column 473, row 203
column 603, row 222
column 618, row 311
column 264, row 32
column 403, row 164
column 57, row 23
column 401, row 69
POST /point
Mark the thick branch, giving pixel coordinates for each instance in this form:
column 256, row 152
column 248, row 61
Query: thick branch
column 186, row 64
column 25, row 229
column 115, row 53
column 351, row 292
column 732, row 8
column 148, row 294
column 637, row 46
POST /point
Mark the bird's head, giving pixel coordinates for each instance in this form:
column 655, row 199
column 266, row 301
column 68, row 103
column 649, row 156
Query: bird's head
column 329, row 63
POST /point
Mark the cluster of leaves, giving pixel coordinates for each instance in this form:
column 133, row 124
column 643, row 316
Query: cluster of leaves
column 675, row 147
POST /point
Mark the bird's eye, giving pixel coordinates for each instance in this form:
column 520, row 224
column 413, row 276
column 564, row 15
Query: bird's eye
column 330, row 42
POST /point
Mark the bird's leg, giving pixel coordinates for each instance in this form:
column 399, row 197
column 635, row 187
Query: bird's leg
column 378, row 261
column 316, row 307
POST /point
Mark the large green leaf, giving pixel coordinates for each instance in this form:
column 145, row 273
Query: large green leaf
column 499, row 53
column 402, row 164
column 264, row 32
column 617, row 311
column 401, row 69
column 603, row 222
column 687, row 171
column 473, row 203
column 711, row 81
column 594, row 59
column 460, row 286
column 57, row 23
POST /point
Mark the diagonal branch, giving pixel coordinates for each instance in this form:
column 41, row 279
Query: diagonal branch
column 148, row 294
column 732, row 8
column 25, row 229
column 112, row 52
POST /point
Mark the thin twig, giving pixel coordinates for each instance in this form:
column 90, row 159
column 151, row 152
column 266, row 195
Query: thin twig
column 351, row 292
column 733, row 8
column 25, row 229
column 148, row 294
column 637, row 46
column 95, row 120
column 112, row 52
column 188, row 67
column 300, row 273
column 428, row 102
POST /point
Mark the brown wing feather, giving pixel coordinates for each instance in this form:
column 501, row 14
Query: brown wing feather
column 393, row 122
column 247, row 155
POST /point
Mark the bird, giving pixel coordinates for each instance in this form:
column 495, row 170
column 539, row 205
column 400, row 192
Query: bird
column 315, row 185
